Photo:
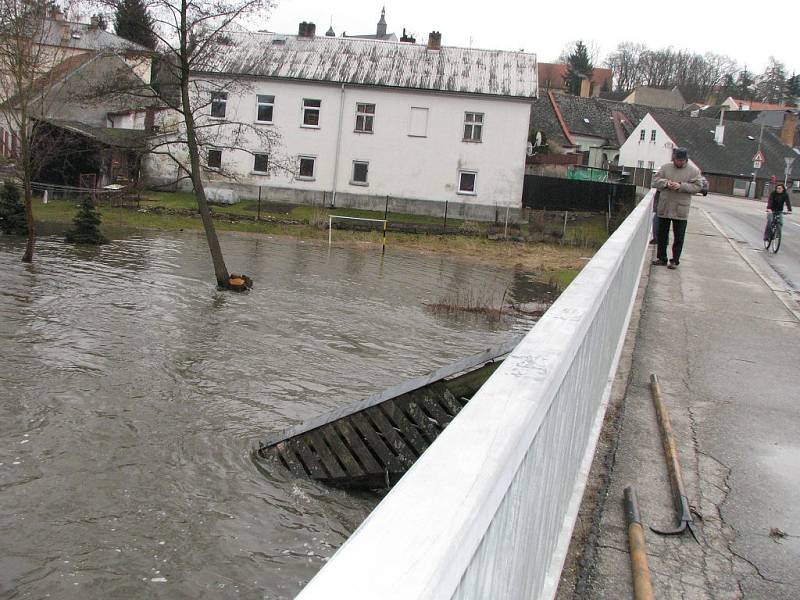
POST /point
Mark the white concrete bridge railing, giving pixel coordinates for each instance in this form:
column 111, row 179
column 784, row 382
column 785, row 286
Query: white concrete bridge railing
column 488, row 511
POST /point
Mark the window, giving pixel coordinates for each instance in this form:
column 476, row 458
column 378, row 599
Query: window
column 260, row 163
column 473, row 124
column 360, row 172
column 264, row 107
column 642, row 133
column 215, row 159
column 418, row 122
column 219, row 100
column 311, row 112
column 365, row 116
column 651, row 165
column 306, row 167
column 653, row 135
column 466, row 182
column 640, row 164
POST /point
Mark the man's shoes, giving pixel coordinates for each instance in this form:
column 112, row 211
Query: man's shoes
column 673, row 264
column 659, row 262
column 653, row 241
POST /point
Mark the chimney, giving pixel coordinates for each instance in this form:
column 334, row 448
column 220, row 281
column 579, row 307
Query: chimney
column 434, row 40
column 94, row 22
column 719, row 134
column 56, row 14
column 409, row 39
column 789, row 128
column 586, row 87
column 306, row 30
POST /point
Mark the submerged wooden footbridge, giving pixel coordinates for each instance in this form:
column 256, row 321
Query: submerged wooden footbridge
column 373, row 442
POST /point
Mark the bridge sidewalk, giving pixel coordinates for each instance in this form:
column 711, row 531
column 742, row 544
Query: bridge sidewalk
column 726, row 352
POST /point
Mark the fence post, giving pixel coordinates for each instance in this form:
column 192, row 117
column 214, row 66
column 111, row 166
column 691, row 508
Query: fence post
column 564, row 233
column 444, row 229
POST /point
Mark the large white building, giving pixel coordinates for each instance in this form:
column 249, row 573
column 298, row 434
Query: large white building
column 359, row 120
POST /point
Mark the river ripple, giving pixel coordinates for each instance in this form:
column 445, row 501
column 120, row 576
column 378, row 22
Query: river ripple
column 132, row 391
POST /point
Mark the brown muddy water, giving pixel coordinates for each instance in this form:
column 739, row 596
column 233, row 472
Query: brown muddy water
column 132, row 392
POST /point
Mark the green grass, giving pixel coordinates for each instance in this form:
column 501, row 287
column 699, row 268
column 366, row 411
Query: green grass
column 560, row 261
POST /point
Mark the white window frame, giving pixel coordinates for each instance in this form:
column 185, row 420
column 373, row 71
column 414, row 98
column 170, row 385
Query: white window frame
column 474, row 191
column 313, row 160
column 473, row 121
column 217, row 99
column 652, row 135
column 640, row 163
column 642, row 134
column 208, row 159
column 421, row 110
column 651, row 164
column 353, row 180
column 308, row 109
column 260, row 103
column 365, row 118
column 255, row 157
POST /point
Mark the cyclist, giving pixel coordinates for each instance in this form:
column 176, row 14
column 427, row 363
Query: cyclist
column 777, row 198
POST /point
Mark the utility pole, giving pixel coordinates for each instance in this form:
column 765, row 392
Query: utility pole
column 757, row 164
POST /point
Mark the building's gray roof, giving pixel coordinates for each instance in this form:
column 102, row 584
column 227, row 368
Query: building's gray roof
column 594, row 117
column 82, row 36
column 740, row 143
column 543, row 118
column 132, row 139
column 377, row 63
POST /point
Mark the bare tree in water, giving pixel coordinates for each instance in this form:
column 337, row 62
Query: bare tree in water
column 196, row 123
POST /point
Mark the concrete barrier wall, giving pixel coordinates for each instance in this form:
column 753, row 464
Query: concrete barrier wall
column 488, row 510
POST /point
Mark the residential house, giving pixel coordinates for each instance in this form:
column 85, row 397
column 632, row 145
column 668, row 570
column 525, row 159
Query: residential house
column 592, row 127
column 78, row 63
column 363, row 120
column 658, row 98
column 552, row 77
column 724, row 153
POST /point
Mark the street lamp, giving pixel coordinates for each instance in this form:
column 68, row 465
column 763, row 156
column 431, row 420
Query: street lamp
column 789, row 160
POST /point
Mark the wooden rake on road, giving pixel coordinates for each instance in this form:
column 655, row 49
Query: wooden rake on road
column 680, row 499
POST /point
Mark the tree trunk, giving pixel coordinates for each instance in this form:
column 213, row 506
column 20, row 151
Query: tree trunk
column 220, row 269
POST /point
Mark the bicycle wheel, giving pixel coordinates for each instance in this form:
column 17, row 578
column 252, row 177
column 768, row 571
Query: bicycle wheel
column 768, row 238
column 776, row 240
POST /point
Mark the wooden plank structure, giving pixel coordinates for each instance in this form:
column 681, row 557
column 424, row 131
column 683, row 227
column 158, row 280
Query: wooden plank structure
column 373, row 442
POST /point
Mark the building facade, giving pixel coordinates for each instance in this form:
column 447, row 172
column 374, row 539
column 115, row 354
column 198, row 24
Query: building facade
column 390, row 128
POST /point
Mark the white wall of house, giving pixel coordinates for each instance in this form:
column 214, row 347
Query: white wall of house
column 652, row 151
column 416, row 161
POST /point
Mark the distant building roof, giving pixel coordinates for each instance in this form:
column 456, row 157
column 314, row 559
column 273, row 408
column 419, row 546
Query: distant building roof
column 659, row 98
column 377, row 63
column 552, row 75
column 380, row 31
column 750, row 105
column 85, row 36
column 735, row 155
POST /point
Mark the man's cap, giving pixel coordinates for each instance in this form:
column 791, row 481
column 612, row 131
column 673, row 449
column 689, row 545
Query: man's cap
column 680, row 153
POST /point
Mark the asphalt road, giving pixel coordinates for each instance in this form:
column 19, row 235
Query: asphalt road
column 743, row 221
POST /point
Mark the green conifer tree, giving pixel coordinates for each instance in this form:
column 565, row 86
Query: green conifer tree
column 12, row 211
column 134, row 23
column 579, row 67
column 85, row 226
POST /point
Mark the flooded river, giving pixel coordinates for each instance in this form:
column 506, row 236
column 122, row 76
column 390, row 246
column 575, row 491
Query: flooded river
column 132, row 392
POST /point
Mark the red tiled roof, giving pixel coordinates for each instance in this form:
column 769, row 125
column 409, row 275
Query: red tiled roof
column 759, row 105
column 551, row 75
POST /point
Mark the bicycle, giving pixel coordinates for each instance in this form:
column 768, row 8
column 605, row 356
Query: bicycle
column 772, row 236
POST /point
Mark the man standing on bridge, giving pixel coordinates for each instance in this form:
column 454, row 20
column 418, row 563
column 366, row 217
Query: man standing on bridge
column 676, row 182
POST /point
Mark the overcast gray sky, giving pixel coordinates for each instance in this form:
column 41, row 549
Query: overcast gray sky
column 545, row 26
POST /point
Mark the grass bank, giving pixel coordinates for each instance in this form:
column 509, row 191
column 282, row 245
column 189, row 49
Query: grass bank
column 556, row 262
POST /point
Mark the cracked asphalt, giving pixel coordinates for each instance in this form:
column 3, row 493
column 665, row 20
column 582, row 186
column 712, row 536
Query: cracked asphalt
column 727, row 354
